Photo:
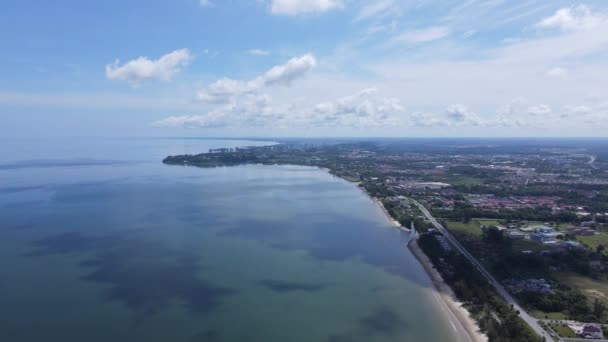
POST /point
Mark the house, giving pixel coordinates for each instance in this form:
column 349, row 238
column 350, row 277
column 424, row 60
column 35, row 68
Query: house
column 573, row 244
column 515, row 235
column 545, row 239
column 443, row 243
column 592, row 331
column 545, row 230
column 584, row 231
column 500, row 228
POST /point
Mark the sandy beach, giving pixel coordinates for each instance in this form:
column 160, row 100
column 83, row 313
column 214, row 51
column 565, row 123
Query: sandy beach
column 459, row 317
column 392, row 221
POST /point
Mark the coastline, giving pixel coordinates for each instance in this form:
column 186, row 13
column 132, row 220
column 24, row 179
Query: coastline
column 457, row 315
column 446, row 298
column 391, row 220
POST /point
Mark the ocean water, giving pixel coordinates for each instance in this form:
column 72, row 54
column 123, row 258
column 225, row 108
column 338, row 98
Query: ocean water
column 99, row 241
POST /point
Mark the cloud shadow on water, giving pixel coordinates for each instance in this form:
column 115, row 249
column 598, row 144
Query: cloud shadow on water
column 144, row 275
column 289, row 286
column 383, row 321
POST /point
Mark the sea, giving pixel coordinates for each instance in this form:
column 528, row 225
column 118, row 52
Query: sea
column 100, row 242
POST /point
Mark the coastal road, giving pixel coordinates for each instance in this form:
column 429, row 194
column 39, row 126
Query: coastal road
column 531, row 321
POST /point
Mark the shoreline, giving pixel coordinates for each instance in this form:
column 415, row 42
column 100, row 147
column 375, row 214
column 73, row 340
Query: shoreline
column 442, row 291
column 444, row 294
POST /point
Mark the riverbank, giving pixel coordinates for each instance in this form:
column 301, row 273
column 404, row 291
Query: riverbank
column 458, row 315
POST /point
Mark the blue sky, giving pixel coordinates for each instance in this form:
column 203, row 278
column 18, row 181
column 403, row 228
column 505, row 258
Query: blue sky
column 304, row 68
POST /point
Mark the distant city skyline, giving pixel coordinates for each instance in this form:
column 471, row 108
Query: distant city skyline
column 306, row 68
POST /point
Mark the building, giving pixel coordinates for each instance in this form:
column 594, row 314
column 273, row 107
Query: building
column 592, row 331
column 445, row 245
column 545, row 239
column 515, row 235
column 583, row 231
column 573, row 244
column 545, row 230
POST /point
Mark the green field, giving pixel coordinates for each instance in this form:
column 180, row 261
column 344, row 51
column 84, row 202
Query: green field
column 594, row 240
column 472, row 228
column 463, row 180
column 548, row 315
column 488, row 223
column 593, row 289
column 562, row 330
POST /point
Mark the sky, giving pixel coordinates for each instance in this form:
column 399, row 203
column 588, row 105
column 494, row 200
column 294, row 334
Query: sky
column 304, row 68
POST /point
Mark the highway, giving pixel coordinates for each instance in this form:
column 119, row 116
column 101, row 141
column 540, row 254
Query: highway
column 532, row 322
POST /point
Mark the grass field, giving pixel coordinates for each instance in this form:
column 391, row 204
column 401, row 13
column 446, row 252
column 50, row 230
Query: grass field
column 593, row 289
column 472, row 228
column 594, row 240
column 463, row 180
column 488, row 223
column 548, row 315
column 562, row 330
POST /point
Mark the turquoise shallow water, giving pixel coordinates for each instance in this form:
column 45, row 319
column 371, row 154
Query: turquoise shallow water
column 101, row 242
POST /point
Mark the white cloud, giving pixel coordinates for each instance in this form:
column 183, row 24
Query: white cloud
column 557, row 72
column 423, row 35
column 363, row 109
column 576, row 111
column 258, row 52
column 298, row 7
column 539, row 110
column 206, row 3
column 573, row 18
column 374, row 8
column 423, row 119
column 286, row 73
column 142, row 69
column 459, row 114
column 225, row 90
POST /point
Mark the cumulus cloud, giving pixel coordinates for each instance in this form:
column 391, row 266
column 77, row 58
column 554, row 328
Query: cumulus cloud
column 250, row 110
column 423, row 35
column 225, row 90
column 539, row 110
column 258, row 52
column 298, row 7
column 573, row 18
column 286, row 73
column 365, row 108
column 362, row 109
column 458, row 114
column 142, row 69
column 423, row 119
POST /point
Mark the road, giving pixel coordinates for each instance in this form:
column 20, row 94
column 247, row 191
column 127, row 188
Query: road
column 532, row 322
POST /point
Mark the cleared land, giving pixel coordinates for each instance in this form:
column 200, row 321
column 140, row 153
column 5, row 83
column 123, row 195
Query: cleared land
column 593, row 289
